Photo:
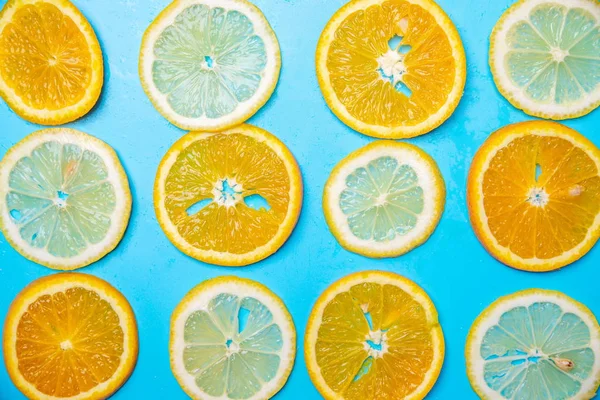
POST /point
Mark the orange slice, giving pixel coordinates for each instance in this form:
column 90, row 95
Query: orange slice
column 230, row 198
column 534, row 195
column 50, row 61
column 70, row 336
column 391, row 69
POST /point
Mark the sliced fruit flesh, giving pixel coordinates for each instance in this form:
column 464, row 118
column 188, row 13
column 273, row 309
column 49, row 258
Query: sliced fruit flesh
column 554, row 55
column 44, row 57
column 221, row 173
column 60, row 198
column 232, row 347
column 371, row 75
column 374, row 341
column 382, row 200
column 537, row 352
column 69, row 342
column 208, row 61
column 541, row 216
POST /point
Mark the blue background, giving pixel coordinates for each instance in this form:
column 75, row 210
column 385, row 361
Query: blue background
column 461, row 278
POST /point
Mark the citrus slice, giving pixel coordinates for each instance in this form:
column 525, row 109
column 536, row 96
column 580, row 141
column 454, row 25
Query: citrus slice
column 384, row 199
column 230, row 198
column 209, row 65
column 374, row 335
column 391, row 69
column 51, row 69
column 232, row 338
column 64, row 198
column 545, row 57
column 534, row 344
column 534, row 195
column 70, row 336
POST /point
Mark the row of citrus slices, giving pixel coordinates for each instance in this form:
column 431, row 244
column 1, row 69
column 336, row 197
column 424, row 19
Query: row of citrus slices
column 371, row 335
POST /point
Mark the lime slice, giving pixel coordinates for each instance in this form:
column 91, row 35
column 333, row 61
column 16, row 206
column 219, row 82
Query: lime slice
column 384, row 199
column 232, row 338
column 209, row 67
column 66, row 199
column 534, row 344
column 545, row 57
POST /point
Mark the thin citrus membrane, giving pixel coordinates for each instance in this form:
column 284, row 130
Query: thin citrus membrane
column 374, row 335
column 51, row 68
column 69, row 336
column 534, row 195
column 232, row 338
column 534, row 344
column 391, row 69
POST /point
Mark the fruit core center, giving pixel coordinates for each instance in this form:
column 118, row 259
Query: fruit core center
column 227, row 192
column 391, row 67
column 375, row 343
column 66, row 345
column 208, row 63
column 61, row 199
column 537, row 197
column 559, row 54
column 52, row 60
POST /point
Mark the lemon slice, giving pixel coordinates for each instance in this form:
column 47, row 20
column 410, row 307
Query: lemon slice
column 51, row 69
column 391, row 68
column 64, row 198
column 232, row 338
column 384, row 199
column 209, row 65
column 534, row 344
column 374, row 335
column 70, row 336
column 229, row 198
column 545, row 57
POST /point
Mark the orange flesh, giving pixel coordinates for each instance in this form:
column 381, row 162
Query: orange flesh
column 568, row 176
column 341, row 347
column 239, row 228
column 44, row 57
column 354, row 70
column 69, row 342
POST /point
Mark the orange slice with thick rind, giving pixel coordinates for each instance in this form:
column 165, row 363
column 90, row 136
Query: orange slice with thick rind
column 534, row 195
column 70, row 336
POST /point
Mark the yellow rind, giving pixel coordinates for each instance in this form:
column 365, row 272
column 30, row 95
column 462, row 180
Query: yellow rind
column 495, row 142
column 62, row 281
column 381, row 277
column 386, row 132
column 231, row 259
column 75, row 111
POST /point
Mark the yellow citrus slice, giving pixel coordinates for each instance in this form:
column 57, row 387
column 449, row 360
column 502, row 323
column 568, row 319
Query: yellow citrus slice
column 232, row 338
column 545, row 57
column 393, row 68
column 64, row 198
column 51, row 69
column 209, row 65
column 534, row 195
column 374, row 335
column 70, row 336
column 534, row 344
column 230, row 198
column 385, row 199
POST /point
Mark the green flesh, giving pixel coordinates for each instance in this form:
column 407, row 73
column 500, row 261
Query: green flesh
column 63, row 226
column 253, row 358
column 520, row 350
column 208, row 62
column 571, row 33
column 382, row 200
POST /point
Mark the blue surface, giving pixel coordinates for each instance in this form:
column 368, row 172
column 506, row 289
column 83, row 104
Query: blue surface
column 461, row 278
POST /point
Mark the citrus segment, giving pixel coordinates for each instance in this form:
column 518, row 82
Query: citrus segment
column 70, row 336
column 545, row 57
column 534, row 344
column 207, row 66
column 66, row 199
column 384, row 199
column 230, row 198
column 50, row 61
column 534, row 195
column 391, row 68
column 374, row 335
column 232, row 338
